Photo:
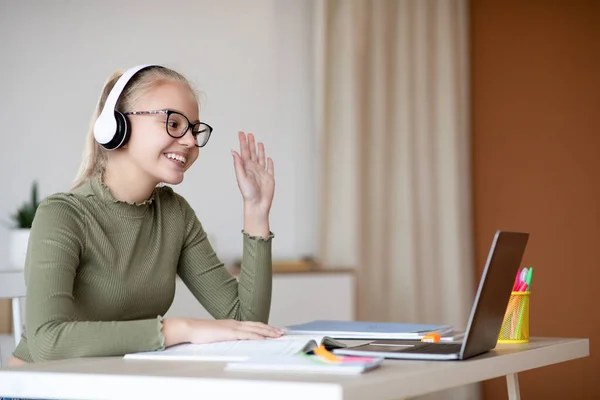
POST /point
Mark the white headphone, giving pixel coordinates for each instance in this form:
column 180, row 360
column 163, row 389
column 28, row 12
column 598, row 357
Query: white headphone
column 111, row 129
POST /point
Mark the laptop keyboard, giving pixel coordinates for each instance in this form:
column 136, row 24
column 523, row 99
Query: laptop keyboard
column 434, row 348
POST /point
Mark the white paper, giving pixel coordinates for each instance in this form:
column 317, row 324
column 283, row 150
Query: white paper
column 237, row 350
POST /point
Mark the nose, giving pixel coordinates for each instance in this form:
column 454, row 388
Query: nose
column 187, row 139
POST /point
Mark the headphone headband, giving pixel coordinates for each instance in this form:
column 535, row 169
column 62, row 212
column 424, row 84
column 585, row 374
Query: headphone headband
column 108, row 128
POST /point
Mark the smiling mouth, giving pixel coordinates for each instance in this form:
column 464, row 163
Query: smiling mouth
column 179, row 159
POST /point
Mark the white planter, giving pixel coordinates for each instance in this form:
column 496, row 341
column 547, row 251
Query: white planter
column 17, row 248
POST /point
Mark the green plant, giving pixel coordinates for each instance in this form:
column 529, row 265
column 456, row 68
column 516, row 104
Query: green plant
column 25, row 214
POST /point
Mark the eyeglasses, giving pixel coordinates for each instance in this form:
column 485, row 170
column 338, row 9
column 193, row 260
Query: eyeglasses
column 177, row 124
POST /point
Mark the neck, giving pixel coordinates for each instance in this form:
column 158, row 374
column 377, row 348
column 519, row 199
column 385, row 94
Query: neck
column 126, row 184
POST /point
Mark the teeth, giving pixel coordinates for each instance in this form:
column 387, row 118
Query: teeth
column 177, row 157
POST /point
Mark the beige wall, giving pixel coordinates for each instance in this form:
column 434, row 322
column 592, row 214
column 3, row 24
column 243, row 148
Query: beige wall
column 245, row 57
column 251, row 60
column 536, row 144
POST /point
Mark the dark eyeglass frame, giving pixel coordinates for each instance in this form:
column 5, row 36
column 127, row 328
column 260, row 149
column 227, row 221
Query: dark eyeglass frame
column 190, row 126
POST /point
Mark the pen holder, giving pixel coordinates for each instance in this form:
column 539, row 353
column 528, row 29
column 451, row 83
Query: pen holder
column 515, row 327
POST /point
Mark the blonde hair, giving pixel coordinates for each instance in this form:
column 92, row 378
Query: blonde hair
column 94, row 157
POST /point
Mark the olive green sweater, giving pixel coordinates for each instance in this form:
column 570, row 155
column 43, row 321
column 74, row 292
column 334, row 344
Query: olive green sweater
column 100, row 273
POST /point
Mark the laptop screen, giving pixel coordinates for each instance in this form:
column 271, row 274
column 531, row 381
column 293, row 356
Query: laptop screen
column 493, row 294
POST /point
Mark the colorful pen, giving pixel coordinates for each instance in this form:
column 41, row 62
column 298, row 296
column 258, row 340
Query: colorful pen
column 517, row 281
column 528, row 278
column 522, row 287
column 523, row 274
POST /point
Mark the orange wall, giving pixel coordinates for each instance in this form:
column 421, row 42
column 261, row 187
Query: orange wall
column 536, row 151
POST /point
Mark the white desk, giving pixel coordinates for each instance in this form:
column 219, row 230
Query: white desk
column 115, row 378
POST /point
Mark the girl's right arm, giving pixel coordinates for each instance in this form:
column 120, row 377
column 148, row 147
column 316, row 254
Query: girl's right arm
column 57, row 241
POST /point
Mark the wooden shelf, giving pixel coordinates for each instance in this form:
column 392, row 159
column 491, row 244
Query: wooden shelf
column 298, row 267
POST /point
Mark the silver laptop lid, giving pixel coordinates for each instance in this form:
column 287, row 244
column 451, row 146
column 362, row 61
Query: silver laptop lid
column 493, row 294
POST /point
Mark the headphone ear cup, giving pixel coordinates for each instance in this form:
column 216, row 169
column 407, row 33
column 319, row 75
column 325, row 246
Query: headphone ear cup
column 121, row 134
column 123, row 128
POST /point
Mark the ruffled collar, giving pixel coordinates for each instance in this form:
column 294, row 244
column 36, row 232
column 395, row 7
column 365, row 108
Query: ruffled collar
column 103, row 192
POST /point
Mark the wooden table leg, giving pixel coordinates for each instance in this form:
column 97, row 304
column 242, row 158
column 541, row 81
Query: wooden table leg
column 512, row 381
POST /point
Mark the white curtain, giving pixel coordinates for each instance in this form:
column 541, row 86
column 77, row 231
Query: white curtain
column 393, row 111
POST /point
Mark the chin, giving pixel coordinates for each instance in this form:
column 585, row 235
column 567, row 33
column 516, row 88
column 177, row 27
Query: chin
column 172, row 179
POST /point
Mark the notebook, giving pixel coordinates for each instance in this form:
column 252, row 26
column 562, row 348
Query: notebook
column 307, row 364
column 487, row 312
column 239, row 350
column 369, row 330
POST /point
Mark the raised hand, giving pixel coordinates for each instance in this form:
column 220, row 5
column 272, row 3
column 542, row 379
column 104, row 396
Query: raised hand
column 254, row 174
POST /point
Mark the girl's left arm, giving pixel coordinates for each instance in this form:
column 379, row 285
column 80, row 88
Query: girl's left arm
column 249, row 297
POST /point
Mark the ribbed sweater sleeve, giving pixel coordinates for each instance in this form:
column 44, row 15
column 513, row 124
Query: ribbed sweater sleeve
column 223, row 296
column 57, row 241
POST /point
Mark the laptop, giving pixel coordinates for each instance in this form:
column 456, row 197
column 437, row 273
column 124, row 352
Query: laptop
column 487, row 313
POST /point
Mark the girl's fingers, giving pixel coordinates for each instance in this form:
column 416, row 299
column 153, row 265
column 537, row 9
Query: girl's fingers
column 270, row 167
column 252, row 147
column 260, row 324
column 265, row 332
column 261, row 155
column 262, row 329
column 237, row 164
column 244, row 150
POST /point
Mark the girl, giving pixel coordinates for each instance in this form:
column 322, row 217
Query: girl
column 103, row 257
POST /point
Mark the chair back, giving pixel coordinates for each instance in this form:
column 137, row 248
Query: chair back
column 12, row 286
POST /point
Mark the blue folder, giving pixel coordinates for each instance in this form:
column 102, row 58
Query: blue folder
column 367, row 330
